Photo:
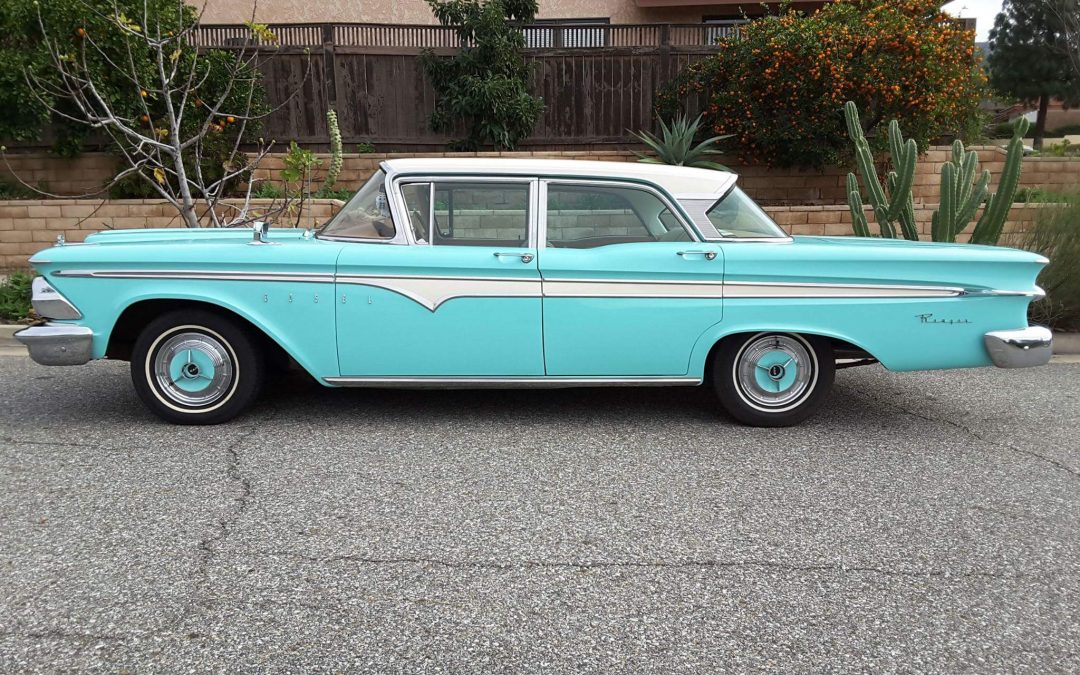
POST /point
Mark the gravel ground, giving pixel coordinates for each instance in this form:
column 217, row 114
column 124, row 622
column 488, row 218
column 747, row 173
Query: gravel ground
column 926, row 521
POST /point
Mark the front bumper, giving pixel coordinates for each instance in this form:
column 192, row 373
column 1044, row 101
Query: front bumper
column 57, row 344
column 1021, row 348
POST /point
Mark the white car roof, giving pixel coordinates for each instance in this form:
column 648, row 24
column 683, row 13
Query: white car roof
column 677, row 180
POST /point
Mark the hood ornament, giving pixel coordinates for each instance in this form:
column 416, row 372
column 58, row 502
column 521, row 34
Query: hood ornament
column 60, row 240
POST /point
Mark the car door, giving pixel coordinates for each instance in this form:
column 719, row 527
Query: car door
column 628, row 287
column 460, row 299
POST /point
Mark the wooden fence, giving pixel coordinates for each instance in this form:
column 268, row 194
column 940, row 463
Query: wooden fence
column 597, row 81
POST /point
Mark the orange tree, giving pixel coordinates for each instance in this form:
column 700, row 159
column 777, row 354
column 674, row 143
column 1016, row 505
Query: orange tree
column 779, row 89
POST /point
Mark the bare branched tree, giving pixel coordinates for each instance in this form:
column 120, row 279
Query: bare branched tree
column 175, row 139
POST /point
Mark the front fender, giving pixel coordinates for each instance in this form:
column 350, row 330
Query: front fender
column 298, row 316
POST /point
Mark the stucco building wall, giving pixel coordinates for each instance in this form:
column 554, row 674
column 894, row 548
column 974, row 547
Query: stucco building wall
column 418, row 11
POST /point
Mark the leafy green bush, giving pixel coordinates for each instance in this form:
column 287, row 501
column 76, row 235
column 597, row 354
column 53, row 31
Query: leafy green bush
column 15, row 297
column 1067, row 130
column 780, row 86
column 1035, row 195
column 484, row 86
column 1056, row 234
column 15, row 191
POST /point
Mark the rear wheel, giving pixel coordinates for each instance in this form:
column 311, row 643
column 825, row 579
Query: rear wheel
column 196, row 367
column 773, row 379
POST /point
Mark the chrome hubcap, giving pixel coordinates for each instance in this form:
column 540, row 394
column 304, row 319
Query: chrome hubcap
column 774, row 371
column 193, row 369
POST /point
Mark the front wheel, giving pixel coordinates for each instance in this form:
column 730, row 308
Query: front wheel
column 773, row 379
column 196, row 367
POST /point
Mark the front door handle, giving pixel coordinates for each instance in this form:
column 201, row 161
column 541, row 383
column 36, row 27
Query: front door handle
column 525, row 257
column 709, row 255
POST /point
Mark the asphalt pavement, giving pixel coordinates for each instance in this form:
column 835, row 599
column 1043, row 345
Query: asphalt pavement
column 922, row 522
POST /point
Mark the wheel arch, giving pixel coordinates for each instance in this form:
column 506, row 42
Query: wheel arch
column 140, row 312
column 705, row 349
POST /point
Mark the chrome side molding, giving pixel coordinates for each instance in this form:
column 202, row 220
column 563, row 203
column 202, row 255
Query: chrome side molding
column 537, row 381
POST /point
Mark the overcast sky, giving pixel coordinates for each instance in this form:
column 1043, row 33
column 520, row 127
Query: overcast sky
column 983, row 11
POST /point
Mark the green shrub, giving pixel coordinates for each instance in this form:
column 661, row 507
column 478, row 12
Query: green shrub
column 16, row 191
column 485, row 86
column 1056, row 234
column 1035, row 195
column 780, row 87
column 15, row 297
column 1067, row 130
column 267, row 190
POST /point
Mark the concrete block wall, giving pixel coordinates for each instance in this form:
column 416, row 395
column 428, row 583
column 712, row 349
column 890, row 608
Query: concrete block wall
column 770, row 186
column 28, row 226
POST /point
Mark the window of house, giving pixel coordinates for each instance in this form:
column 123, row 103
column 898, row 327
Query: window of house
column 587, row 216
column 469, row 214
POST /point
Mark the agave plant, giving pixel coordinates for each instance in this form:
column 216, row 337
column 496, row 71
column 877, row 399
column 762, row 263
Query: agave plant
column 676, row 146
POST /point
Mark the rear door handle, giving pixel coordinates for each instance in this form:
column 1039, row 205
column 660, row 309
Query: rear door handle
column 525, row 257
column 709, row 255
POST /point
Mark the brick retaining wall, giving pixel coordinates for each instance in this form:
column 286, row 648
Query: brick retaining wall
column 29, row 226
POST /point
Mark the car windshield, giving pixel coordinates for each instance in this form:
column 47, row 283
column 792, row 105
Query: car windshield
column 366, row 216
column 736, row 215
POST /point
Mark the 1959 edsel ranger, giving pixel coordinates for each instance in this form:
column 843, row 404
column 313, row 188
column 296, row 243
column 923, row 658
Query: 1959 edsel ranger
column 529, row 273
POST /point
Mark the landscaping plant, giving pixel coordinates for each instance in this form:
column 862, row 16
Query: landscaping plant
column 778, row 87
column 676, row 145
column 1056, row 234
column 336, row 161
column 484, row 87
column 15, row 297
column 961, row 193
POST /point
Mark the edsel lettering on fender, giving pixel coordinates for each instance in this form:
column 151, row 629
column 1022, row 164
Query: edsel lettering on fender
column 529, row 273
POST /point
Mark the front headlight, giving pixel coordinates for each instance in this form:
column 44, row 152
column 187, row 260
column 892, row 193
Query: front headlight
column 48, row 302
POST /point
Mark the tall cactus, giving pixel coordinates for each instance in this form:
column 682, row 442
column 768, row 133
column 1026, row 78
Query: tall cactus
column 988, row 229
column 960, row 198
column 894, row 205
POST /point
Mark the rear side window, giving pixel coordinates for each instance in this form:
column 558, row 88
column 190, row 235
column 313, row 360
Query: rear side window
column 587, row 216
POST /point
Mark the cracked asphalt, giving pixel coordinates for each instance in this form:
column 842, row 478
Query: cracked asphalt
column 922, row 522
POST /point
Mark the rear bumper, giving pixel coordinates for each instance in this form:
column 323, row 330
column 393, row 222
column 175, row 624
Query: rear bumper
column 57, row 344
column 1021, row 348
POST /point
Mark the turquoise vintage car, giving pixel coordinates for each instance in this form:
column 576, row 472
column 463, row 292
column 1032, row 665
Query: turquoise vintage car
column 529, row 273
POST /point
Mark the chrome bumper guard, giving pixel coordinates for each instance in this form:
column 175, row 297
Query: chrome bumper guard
column 57, row 344
column 1021, row 348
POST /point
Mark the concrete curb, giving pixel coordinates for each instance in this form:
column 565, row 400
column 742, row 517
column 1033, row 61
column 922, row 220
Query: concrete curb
column 1064, row 343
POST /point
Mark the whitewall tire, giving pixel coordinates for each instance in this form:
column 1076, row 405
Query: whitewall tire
column 773, row 379
column 196, row 367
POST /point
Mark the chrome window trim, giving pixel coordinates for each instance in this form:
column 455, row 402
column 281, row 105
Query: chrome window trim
column 399, row 198
column 674, row 207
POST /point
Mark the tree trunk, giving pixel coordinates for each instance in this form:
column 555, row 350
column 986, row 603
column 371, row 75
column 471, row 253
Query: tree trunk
column 1040, row 121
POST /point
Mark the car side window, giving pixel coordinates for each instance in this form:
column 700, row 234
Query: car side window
column 587, row 216
column 468, row 214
